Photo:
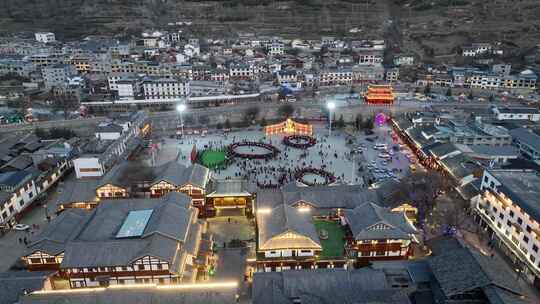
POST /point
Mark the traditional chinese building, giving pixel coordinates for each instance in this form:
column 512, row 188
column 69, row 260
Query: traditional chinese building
column 289, row 127
column 380, row 94
column 377, row 233
column 176, row 177
column 229, row 195
column 125, row 241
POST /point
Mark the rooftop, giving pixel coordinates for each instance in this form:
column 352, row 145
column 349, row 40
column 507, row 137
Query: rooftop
column 522, row 188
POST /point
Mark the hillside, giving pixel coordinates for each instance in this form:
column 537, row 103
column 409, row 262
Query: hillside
column 429, row 28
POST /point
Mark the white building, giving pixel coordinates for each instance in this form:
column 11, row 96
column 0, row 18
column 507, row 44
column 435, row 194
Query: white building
column 276, row 48
column 508, row 209
column 165, row 88
column 507, row 113
column 17, row 191
column 88, row 166
column 476, row 49
column 45, row 37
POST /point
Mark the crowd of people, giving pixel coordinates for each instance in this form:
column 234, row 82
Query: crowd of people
column 272, row 151
column 299, row 141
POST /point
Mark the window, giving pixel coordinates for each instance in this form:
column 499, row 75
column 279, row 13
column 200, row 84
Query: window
column 381, row 253
column 525, row 239
column 35, row 261
column 50, row 260
column 501, row 216
column 140, row 267
column 520, row 221
column 508, row 223
column 535, row 248
column 532, row 258
column 159, row 266
column 528, row 229
column 511, row 213
column 364, row 253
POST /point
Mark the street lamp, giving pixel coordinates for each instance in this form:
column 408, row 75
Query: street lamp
column 181, row 108
column 331, row 106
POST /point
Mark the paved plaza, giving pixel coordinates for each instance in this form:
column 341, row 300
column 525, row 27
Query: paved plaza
column 332, row 153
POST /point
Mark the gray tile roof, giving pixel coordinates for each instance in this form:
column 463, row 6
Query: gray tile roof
column 461, row 270
column 527, row 137
column 14, row 284
column 115, row 176
column 76, row 190
column 282, row 219
column 60, row 231
column 335, row 196
column 230, row 187
column 362, row 219
column 137, row 296
column 90, row 241
column 179, row 175
column 322, row 286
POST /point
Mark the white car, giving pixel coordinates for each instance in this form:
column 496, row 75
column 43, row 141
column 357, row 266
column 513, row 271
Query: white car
column 21, row 227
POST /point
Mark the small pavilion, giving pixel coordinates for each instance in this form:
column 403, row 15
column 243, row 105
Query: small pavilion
column 289, row 127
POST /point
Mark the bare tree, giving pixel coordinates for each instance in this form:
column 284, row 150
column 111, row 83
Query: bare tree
column 64, row 102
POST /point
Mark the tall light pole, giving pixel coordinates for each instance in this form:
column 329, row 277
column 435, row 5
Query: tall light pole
column 181, row 108
column 331, row 106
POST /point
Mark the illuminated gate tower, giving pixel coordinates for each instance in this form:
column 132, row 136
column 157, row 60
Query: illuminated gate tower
column 380, row 94
column 289, row 127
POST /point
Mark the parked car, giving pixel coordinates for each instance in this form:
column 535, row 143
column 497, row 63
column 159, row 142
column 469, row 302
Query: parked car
column 21, row 227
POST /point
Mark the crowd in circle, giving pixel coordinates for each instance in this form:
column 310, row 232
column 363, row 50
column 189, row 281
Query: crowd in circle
column 300, row 175
column 272, row 151
column 299, row 141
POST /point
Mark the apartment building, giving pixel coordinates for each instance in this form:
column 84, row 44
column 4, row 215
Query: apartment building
column 508, row 210
column 165, row 88
column 57, row 76
column 45, row 37
column 17, row 190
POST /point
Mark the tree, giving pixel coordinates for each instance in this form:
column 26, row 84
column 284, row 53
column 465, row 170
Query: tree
column 491, row 98
column 340, row 123
column 470, row 96
column 227, row 124
column 137, row 172
column 219, row 126
column 64, row 102
column 264, row 122
column 251, row 113
column 204, row 119
column 285, row 111
column 421, row 189
column 368, row 123
column 427, row 90
column 358, row 121
column 449, row 92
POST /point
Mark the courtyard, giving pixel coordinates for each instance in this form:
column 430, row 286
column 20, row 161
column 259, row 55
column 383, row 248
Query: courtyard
column 332, row 238
column 336, row 154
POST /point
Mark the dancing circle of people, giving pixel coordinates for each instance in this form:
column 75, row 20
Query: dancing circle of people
column 299, row 141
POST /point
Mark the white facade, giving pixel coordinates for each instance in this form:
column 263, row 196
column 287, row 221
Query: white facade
column 45, row 37
column 288, row 253
column 88, row 166
column 506, row 215
column 530, row 114
column 19, row 200
column 165, row 89
column 276, row 48
column 127, row 89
